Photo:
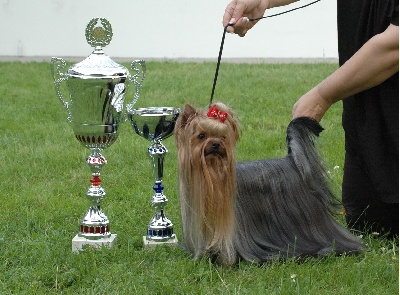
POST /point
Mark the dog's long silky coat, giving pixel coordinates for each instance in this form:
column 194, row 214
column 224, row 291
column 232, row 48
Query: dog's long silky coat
column 260, row 210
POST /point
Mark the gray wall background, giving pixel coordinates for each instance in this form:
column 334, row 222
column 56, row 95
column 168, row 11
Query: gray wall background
column 163, row 29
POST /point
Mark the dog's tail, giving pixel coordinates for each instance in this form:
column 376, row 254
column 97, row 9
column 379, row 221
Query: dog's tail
column 285, row 207
column 300, row 136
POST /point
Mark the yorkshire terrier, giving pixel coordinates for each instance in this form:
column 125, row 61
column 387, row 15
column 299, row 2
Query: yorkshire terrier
column 260, row 210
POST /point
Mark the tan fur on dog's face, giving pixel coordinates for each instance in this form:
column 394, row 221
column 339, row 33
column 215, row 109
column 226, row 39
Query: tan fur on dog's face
column 213, row 142
column 194, row 126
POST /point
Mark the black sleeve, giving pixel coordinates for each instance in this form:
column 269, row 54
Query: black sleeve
column 395, row 15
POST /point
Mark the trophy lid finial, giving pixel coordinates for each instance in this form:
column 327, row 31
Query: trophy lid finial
column 98, row 32
column 98, row 65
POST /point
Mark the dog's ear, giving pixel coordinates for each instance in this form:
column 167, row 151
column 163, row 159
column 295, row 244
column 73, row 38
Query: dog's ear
column 184, row 119
column 186, row 115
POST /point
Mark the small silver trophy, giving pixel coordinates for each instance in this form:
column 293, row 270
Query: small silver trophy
column 97, row 88
column 156, row 124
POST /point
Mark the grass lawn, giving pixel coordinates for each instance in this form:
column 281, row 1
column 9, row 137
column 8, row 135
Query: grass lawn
column 44, row 178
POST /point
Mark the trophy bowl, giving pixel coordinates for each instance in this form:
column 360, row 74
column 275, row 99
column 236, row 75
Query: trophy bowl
column 156, row 124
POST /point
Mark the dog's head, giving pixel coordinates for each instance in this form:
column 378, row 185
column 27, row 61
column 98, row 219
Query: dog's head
column 208, row 134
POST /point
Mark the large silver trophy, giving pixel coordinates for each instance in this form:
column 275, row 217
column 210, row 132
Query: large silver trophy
column 96, row 106
column 156, row 124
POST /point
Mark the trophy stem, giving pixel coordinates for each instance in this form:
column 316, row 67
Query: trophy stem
column 94, row 227
column 160, row 228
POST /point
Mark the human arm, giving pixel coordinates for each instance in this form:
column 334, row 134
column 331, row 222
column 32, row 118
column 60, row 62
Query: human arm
column 372, row 64
column 237, row 9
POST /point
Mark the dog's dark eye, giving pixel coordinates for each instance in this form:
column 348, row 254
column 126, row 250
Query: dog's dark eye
column 201, row 136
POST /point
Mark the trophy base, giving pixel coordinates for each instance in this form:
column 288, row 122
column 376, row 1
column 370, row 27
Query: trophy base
column 78, row 243
column 150, row 245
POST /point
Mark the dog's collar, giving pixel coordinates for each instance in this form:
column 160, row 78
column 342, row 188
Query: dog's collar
column 215, row 113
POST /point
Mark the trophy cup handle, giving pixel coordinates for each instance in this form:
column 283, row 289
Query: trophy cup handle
column 57, row 64
column 139, row 67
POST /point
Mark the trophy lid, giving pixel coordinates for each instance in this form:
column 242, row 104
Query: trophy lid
column 98, row 64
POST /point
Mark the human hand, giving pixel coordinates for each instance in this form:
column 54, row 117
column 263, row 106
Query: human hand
column 238, row 12
column 311, row 105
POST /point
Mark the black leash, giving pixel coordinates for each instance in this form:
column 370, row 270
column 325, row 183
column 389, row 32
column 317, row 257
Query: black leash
column 223, row 40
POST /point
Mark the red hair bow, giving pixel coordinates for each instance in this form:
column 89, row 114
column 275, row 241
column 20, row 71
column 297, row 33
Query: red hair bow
column 215, row 113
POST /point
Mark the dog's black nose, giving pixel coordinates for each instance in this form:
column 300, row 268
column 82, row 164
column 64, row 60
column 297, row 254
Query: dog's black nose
column 215, row 146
